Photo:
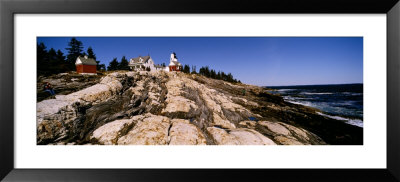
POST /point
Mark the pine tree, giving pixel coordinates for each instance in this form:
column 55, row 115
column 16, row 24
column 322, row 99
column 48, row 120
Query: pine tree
column 101, row 67
column 113, row 65
column 124, row 64
column 186, row 69
column 219, row 75
column 206, row 71
column 230, row 77
column 41, row 58
column 194, row 70
column 201, row 71
column 75, row 49
column 223, row 76
column 52, row 55
column 62, row 65
column 90, row 53
column 52, row 66
column 60, row 56
column 213, row 74
column 41, row 53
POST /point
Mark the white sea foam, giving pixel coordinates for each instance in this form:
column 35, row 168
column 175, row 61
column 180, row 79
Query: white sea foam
column 304, row 103
column 355, row 122
column 347, row 103
column 351, row 93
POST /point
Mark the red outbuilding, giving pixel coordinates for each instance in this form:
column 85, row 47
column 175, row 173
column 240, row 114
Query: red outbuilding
column 85, row 65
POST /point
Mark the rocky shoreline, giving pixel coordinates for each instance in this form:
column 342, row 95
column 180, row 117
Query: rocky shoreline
column 159, row 108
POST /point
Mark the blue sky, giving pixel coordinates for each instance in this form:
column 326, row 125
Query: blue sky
column 263, row 61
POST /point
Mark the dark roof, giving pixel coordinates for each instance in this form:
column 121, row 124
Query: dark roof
column 87, row 61
column 145, row 59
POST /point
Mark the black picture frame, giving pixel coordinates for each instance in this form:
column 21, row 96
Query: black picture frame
column 8, row 8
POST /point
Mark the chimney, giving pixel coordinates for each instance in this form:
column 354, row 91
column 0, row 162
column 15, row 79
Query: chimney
column 86, row 57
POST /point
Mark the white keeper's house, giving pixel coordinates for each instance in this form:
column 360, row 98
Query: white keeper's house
column 141, row 63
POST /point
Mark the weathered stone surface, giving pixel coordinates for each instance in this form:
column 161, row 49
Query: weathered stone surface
column 50, row 130
column 108, row 133
column 218, row 121
column 248, row 124
column 222, row 137
column 304, row 136
column 178, row 104
column 50, row 107
column 175, row 102
column 184, row 133
column 138, row 89
column 239, row 136
column 251, row 137
column 275, row 127
column 299, row 132
column 98, row 93
column 287, row 140
column 64, row 84
column 153, row 130
column 59, row 112
column 286, row 134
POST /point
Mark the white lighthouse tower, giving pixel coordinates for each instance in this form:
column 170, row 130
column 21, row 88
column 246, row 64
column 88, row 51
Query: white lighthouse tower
column 174, row 64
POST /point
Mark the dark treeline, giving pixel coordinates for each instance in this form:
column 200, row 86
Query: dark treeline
column 50, row 61
column 53, row 62
column 211, row 73
column 115, row 65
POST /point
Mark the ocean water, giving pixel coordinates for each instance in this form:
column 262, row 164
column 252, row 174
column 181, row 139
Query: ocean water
column 341, row 102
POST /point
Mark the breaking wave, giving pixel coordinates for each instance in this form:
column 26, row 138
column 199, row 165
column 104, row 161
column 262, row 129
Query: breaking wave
column 355, row 122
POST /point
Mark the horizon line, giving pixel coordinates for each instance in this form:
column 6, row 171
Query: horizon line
column 311, row 84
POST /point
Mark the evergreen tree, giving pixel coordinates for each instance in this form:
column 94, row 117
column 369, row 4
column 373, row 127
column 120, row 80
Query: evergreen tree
column 101, row 67
column 52, row 56
column 50, row 62
column 75, row 49
column 201, row 71
column 194, row 70
column 90, row 53
column 60, row 56
column 55, row 62
column 41, row 53
column 41, row 58
column 186, row 69
column 52, row 66
column 206, row 71
column 62, row 65
column 223, row 76
column 124, row 64
column 229, row 77
column 113, row 65
column 213, row 74
column 219, row 75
